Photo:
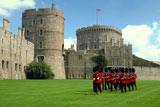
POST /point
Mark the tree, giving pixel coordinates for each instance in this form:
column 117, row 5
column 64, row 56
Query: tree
column 38, row 70
column 100, row 61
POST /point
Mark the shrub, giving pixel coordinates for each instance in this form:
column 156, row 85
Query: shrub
column 38, row 70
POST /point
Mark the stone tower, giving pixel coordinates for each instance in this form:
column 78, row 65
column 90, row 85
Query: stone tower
column 45, row 28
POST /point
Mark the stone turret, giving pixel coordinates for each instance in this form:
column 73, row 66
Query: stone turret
column 45, row 28
column 6, row 24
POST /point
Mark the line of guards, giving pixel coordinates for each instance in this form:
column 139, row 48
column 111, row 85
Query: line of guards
column 119, row 78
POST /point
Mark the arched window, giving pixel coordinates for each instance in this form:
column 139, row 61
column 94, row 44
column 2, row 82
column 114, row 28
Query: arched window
column 16, row 67
column 41, row 32
column 20, row 67
column 40, row 45
column 33, row 22
column 7, row 64
column 2, row 64
column 27, row 33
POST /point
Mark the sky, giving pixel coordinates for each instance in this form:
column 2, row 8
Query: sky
column 139, row 20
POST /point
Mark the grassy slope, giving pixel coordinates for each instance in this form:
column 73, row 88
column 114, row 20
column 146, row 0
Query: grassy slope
column 74, row 93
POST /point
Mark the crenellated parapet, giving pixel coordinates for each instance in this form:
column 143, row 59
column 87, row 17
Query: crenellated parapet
column 99, row 28
column 43, row 11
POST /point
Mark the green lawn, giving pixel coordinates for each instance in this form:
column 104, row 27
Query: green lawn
column 74, row 93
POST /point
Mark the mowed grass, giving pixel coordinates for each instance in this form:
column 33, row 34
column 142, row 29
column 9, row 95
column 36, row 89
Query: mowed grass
column 74, row 93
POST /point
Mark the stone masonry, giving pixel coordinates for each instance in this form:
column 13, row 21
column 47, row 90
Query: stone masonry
column 45, row 29
column 15, row 53
column 94, row 40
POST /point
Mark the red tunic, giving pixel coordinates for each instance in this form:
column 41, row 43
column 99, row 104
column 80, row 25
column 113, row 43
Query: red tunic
column 98, row 78
column 114, row 77
column 125, row 79
column 134, row 76
column 108, row 78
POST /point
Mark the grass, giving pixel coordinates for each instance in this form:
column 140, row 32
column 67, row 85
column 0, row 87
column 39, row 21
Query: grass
column 74, row 93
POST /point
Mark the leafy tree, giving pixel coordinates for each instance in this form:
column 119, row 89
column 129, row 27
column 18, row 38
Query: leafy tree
column 38, row 70
column 100, row 61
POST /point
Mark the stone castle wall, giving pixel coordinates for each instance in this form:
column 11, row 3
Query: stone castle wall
column 45, row 28
column 15, row 53
column 147, row 73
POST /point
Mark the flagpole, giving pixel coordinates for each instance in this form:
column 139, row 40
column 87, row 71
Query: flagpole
column 96, row 17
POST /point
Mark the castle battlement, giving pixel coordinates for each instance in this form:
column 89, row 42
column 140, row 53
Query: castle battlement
column 97, row 28
column 43, row 11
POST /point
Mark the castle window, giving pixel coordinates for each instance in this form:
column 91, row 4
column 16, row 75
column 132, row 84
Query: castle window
column 2, row 64
column 7, row 65
column 40, row 45
column 15, row 67
column 19, row 67
column 117, row 61
column 33, row 22
column 95, row 46
column 41, row 21
column 80, row 57
column 40, row 57
column 27, row 33
column 41, row 32
column 2, row 41
column 112, row 61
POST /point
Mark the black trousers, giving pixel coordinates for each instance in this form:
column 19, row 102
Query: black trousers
column 131, row 84
column 107, row 83
column 124, row 87
column 134, row 84
column 121, row 87
column 115, row 86
column 98, row 86
column 94, row 87
column 128, row 85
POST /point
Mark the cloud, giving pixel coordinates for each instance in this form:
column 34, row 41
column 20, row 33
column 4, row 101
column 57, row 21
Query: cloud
column 141, row 37
column 7, row 6
column 68, row 42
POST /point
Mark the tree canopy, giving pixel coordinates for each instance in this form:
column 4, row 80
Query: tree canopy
column 100, row 61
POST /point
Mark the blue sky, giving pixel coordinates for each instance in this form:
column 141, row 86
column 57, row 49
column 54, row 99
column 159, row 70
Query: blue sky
column 138, row 19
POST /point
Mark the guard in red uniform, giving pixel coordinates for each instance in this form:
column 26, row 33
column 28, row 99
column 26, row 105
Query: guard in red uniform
column 121, row 73
column 113, row 80
column 107, row 78
column 99, row 80
column 134, row 76
column 94, row 80
column 124, row 80
column 128, row 79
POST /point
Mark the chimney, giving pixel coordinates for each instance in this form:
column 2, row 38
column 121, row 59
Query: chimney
column 23, row 31
column 19, row 32
column 6, row 23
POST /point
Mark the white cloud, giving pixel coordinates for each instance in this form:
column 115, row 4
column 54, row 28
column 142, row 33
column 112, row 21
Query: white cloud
column 68, row 42
column 140, row 38
column 6, row 6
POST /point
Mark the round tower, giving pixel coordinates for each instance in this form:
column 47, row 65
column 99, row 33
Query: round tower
column 45, row 28
column 97, row 36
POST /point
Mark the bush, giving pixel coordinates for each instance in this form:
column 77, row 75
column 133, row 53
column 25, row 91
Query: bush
column 38, row 70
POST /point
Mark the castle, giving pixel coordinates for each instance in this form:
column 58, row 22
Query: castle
column 42, row 38
column 94, row 40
